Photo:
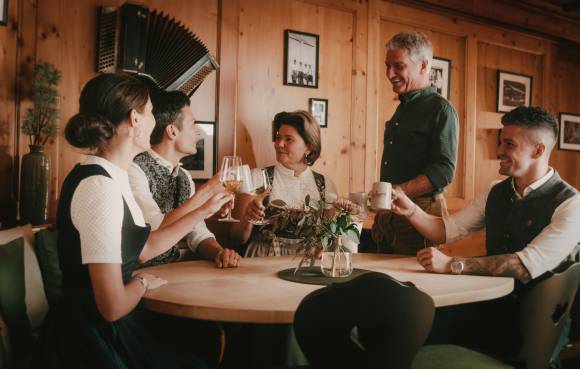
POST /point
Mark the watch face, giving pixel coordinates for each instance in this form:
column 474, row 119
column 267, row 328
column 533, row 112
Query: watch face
column 456, row 267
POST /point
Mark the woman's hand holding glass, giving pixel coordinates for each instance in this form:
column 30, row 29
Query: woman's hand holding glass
column 262, row 188
column 231, row 179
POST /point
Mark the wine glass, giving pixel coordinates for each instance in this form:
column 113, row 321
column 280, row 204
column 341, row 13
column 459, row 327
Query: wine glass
column 231, row 179
column 262, row 189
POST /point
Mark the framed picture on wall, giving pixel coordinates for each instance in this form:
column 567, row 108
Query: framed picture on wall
column 513, row 90
column 300, row 59
column 440, row 76
column 569, row 132
column 3, row 12
column 202, row 165
column 319, row 110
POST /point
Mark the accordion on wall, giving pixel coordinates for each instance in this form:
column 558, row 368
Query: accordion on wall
column 133, row 39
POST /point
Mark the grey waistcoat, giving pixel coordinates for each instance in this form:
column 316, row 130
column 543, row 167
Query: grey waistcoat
column 511, row 223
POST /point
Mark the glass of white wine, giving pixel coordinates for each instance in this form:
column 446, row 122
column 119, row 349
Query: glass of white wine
column 231, row 179
column 262, row 189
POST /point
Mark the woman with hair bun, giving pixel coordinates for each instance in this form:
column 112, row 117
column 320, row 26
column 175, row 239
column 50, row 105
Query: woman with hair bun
column 102, row 236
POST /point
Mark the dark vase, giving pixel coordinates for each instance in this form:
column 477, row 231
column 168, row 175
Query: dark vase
column 34, row 181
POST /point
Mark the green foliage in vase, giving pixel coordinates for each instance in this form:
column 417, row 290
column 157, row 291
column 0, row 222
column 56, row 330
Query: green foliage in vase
column 317, row 224
column 40, row 122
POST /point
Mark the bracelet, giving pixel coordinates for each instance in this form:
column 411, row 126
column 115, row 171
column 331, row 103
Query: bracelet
column 412, row 212
column 143, row 281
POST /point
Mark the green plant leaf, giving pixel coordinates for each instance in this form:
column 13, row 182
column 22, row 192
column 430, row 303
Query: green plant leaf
column 353, row 235
column 307, row 200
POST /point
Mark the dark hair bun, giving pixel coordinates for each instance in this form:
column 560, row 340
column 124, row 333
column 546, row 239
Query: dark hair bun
column 88, row 130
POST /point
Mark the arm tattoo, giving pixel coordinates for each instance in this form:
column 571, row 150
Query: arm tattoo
column 507, row 265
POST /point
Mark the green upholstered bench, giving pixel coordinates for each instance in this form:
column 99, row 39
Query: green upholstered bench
column 30, row 279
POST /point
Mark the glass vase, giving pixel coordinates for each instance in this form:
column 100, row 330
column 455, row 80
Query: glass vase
column 336, row 262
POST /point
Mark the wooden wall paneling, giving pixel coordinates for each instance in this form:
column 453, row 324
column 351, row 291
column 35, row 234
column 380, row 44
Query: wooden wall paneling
column 492, row 58
column 453, row 24
column 261, row 93
column 375, row 74
column 227, row 76
column 469, row 132
column 448, row 46
column 358, row 130
column 565, row 98
column 8, row 114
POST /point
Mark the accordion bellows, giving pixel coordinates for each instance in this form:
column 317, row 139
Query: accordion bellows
column 132, row 39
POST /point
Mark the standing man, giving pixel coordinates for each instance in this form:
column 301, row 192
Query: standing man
column 165, row 191
column 420, row 142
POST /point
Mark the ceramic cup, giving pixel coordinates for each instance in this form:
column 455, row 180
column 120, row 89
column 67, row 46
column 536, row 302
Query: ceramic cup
column 381, row 199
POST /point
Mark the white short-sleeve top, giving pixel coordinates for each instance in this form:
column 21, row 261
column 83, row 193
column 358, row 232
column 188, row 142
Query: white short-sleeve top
column 97, row 212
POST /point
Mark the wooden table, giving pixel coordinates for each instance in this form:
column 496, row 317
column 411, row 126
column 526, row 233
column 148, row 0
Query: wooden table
column 253, row 293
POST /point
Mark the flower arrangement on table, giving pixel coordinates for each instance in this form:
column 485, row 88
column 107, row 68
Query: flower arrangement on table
column 318, row 227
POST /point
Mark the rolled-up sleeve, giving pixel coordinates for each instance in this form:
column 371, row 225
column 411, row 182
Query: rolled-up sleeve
column 441, row 167
column 556, row 241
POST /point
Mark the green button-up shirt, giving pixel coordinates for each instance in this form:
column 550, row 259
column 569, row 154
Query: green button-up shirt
column 421, row 138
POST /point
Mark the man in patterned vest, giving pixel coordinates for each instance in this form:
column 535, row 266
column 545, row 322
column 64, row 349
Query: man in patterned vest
column 164, row 190
column 532, row 222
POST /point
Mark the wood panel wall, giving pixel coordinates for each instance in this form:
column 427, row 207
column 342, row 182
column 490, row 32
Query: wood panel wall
column 247, row 38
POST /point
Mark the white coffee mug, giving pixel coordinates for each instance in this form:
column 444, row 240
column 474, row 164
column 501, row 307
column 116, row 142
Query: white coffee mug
column 381, row 199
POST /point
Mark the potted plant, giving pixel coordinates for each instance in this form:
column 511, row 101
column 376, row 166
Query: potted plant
column 40, row 124
column 320, row 228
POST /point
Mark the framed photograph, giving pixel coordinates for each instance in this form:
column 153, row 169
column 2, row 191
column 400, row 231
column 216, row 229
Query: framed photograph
column 300, row 59
column 319, row 110
column 3, row 12
column 569, row 132
column 440, row 76
column 513, row 90
column 202, row 165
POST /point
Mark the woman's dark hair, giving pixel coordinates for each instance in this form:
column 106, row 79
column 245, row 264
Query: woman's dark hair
column 105, row 102
column 306, row 126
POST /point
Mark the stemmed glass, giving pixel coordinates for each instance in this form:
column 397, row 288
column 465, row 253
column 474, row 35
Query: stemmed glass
column 231, row 179
column 262, row 188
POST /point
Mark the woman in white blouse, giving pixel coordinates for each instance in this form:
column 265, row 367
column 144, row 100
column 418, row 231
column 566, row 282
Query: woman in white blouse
column 99, row 321
column 296, row 137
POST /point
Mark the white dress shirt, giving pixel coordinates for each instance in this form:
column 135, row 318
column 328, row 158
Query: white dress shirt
column 547, row 250
column 153, row 215
column 292, row 189
column 97, row 212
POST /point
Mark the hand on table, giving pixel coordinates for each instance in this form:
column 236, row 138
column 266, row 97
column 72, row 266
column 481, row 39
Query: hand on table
column 227, row 258
column 434, row 260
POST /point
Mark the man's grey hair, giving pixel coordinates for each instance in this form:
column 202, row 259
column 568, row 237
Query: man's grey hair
column 416, row 43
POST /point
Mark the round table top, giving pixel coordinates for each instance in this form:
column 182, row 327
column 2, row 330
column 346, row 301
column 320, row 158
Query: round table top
column 253, row 292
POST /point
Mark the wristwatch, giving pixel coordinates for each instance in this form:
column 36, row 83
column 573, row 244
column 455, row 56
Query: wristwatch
column 457, row 265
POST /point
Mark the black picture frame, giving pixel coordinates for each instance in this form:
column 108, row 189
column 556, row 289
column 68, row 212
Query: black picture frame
column 569, row 132
column 301, row 51
column 513, row 90
column 319, row 110
column 3, row 12
column 440, row 76
column 202, row 166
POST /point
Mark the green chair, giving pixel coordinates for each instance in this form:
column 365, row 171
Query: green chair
column 544, row 308
column 373, row 321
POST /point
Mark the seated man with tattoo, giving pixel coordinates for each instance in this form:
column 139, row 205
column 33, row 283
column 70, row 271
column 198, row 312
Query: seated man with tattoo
column 532, row 222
